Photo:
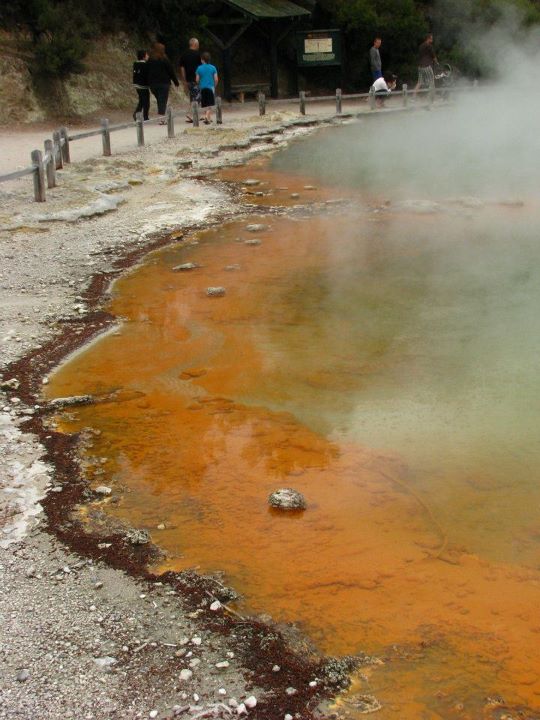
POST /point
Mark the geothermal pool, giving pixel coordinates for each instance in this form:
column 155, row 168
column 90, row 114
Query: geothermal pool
column 378, row 350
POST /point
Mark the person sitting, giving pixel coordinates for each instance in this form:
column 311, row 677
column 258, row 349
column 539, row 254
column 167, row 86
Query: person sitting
column 382, row 87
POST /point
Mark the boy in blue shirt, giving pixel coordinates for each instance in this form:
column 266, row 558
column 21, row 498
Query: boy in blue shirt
column 207, row 79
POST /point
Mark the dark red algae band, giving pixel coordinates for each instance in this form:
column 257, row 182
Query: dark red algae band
column 259, row 645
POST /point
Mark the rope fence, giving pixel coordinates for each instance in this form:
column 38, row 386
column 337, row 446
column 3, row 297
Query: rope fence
column 56, row 154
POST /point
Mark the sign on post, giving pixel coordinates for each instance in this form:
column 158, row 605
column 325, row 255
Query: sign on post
column 318, row 47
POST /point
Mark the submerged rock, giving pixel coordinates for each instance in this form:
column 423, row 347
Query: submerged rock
column 422, row 207
column 63, row 402
column 232, row 268
column 366, row 704
column 253, row 241
column 215, row 291
column 257, row 227
column 137, row 537
column 252, row 181
column 185, row 266
column 287, row 499
column 103, row 490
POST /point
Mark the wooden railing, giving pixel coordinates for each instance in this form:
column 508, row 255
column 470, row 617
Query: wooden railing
column 56, row 153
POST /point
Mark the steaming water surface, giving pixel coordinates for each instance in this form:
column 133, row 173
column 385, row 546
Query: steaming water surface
column 383, row 359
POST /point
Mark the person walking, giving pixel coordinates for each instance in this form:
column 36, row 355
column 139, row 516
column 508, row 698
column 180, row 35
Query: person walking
column 207, row 79
column 189, row 62
column 160, row 75
column 140, row 82
column 426, row 60
column 375, row 59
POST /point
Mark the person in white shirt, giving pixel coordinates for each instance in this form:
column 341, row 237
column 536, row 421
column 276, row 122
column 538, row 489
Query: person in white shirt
column 382, row 87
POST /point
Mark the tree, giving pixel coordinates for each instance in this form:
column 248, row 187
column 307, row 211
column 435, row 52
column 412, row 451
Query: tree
column 401, row 24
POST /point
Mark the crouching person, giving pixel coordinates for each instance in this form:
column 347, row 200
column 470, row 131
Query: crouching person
column 207, row 79
column 382, row 87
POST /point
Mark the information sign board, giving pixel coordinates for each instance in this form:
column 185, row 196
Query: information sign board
column 318, row 47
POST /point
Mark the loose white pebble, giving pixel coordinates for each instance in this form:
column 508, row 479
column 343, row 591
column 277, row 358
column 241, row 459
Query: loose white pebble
column 186, row 674
column 251, row 701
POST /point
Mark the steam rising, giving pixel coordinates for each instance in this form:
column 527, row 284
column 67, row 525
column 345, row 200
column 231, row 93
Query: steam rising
column 486, row 143
column 434, row 316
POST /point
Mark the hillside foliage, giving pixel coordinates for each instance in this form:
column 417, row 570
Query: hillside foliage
column 57, row 32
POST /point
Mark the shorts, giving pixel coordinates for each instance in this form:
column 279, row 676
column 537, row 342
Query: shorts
column 194, row 92
column 376, row 74
column 426, row 78
column 207, row 98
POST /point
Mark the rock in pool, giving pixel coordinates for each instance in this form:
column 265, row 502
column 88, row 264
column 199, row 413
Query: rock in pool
column 257, row 227
column 215, row 291
column 287, row 499
column 137, row 537
column 185, row 266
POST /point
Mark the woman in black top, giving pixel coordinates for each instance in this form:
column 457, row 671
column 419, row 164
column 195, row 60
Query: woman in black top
column 160, row 73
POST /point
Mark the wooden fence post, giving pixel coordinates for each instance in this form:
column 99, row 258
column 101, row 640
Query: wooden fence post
column 39, row 176
column 405, row 89
column 66, row 156
column 372, row 103
column 195, row 113
column 58, row 154
column 105, row 137
column 219, row 111
column 338, row 101
column 262, row 103
column 302, row 102
column 170, row 122
column 140, row 129
column 51, row 164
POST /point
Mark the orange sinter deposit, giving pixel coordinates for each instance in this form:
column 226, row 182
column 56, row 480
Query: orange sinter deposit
column 206, row 405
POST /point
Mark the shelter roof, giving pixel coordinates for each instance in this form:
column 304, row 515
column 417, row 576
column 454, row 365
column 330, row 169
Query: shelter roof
column 268, row 8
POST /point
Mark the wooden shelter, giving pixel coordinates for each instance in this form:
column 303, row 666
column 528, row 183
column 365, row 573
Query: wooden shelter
column 274, row 19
